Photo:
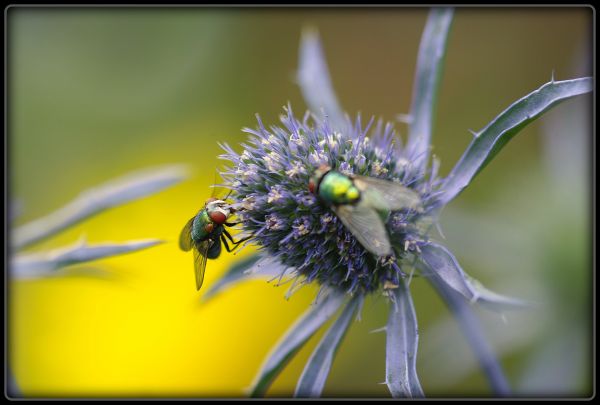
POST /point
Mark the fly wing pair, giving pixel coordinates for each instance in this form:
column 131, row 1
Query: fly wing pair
column 364, row 219
column 386, row 195
column 200, row 251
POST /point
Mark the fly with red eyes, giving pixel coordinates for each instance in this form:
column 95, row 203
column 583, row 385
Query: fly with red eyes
column 205, row 232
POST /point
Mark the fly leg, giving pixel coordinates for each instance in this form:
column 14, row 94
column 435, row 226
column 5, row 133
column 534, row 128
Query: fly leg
column 234, row 243
column 226, row 235
column 224, row 240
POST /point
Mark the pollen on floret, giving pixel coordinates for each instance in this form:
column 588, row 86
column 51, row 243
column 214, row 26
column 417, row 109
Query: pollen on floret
column 296, row 169
column 273, row 222
column 275, row 195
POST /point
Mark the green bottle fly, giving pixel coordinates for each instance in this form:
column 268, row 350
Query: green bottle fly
column 363, row 204
column 205, row 232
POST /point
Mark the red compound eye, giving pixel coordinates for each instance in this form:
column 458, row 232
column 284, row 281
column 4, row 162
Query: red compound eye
column 217, row 217
column 311, row 186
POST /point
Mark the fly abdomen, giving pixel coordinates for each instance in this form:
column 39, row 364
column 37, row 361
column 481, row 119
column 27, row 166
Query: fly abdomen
column 214, row 250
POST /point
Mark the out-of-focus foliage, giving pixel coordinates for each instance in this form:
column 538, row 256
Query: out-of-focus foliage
column 94, row 93
column 95, row 200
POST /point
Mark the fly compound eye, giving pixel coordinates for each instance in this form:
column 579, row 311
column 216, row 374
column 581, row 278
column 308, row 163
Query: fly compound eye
column 217, row 217
column 311, row 186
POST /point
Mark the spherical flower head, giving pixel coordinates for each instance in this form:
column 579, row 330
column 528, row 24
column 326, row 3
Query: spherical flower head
column 270, row 181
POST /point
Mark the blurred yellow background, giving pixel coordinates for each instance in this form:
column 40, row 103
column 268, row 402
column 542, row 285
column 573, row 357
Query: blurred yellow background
column 97, row 92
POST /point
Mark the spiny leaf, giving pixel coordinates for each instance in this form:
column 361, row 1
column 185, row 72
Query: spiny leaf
column 93, row 201
column 504, row 127
column 401, row 346
column 439, row 261
column 294, row 339
column 313, row 378
column 430, row 63
column 314, row 80
column 37, row 265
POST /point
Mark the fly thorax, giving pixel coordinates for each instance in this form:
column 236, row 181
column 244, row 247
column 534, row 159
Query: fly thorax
column 336, row 188
column 201, row 226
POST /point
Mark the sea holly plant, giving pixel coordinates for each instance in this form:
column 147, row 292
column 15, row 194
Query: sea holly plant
column 303, row 239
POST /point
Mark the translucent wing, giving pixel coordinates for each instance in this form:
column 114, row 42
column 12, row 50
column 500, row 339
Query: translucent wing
column 185, row 237
column 387, row 194
column 366, row 226
column 200, row 251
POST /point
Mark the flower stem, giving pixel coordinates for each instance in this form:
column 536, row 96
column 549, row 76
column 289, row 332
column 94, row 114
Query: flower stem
column 471, row 328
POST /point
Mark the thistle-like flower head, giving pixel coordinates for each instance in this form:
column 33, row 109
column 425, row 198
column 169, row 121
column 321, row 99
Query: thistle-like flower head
column 271, row 180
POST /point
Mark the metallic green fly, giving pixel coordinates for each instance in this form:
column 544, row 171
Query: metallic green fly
column 363, row 204
column 205, row 232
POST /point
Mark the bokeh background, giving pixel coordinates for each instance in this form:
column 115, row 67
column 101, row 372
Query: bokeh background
column 94, row 93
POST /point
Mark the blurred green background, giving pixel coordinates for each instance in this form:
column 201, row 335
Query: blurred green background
column 97, row 92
